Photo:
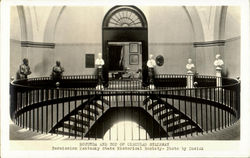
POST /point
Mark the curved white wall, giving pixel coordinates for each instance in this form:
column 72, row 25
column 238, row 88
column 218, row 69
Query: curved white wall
column 170, row 34
column 15, row 29
column 165, row 24
column 233, row 21
column 232, row 49
column 169, row 25
column 80, row 25
column 78, row 31
column 15, row 38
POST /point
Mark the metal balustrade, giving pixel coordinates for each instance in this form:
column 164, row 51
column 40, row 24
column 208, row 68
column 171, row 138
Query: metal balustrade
column 81, row 111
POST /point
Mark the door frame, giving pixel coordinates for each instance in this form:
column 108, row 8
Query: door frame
column 125, row 34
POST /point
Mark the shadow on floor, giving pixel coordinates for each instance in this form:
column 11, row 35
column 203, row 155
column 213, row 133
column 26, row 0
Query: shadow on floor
column 230, row 133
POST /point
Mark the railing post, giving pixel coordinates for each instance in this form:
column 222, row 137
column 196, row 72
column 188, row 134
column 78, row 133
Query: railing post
column 238, row 100
column 13, row 101
column 211, row 117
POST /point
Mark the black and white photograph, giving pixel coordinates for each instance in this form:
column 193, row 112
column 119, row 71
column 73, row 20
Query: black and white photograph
column 88, row 74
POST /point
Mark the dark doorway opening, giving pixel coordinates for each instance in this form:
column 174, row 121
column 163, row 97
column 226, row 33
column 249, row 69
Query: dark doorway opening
column 135, row 30
column 115, row 58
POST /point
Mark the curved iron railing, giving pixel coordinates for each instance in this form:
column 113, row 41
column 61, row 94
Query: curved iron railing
column 76, row 109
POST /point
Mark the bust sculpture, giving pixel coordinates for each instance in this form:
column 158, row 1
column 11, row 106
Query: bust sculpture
column 24, row 69
column 99, row 61
column 151, row 62
column 218, row 63
column 190, row 66
column 57, row 71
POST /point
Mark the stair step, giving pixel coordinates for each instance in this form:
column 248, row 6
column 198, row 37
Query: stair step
column 72, row 127
column 105, row 101
column 85, row 123
column 159, row 110
column 189, row 131
column 152, row 105
column 85, row 115
column 67, row 133
column 169, row 113
column 98, row 105
column 95, row 111
column 169, row 121
column 177, row 126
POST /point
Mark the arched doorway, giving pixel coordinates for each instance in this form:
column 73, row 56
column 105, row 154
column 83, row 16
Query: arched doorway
column 124, row 24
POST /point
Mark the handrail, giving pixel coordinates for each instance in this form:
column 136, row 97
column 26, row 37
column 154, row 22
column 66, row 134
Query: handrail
column 29, row 101
column 124, row 90
column 79, row 77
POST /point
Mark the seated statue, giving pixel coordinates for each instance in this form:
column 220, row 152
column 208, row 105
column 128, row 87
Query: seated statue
column 24, row 70
column 57, row 71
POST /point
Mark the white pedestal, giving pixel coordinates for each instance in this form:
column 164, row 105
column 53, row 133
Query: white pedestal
column 99, row 87
column 190, row 80
column 218, row 78
column 151, row 87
